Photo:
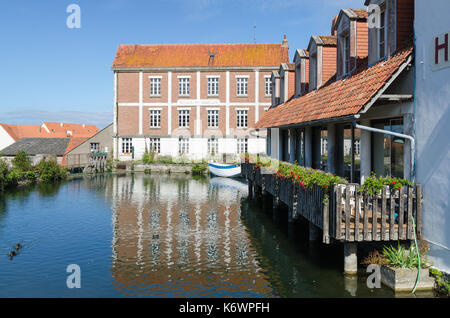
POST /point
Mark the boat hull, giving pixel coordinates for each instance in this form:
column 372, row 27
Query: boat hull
column 225, row 170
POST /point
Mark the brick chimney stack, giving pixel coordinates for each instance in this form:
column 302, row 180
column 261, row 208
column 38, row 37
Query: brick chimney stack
column 285, row 43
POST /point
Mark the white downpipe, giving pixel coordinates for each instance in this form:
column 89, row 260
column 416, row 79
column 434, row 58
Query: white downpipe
column 388, row 132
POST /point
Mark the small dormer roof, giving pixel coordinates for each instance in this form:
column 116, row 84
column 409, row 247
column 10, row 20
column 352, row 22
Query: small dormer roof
column 275, row 74
column 301, row 54
column 322, row 40
column 352, row 14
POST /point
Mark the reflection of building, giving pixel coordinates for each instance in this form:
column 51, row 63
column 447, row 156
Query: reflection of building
column 176, row 236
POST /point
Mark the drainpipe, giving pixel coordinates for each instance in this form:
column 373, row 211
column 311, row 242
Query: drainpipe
column 388, row 132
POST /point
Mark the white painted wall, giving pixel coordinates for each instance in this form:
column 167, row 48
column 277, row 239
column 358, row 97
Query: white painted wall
column 197, row 147
column 275, row 146
column 432, row 128
column 5, row 139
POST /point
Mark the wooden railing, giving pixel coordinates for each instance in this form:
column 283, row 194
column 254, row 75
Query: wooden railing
column 382, row 217
column 345, row 214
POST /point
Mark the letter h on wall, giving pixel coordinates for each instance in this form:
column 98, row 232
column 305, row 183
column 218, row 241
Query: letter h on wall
column 440, row 47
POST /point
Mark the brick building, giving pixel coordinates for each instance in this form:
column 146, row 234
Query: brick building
column 197, row 100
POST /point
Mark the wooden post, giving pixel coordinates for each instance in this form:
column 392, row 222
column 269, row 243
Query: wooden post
column 357, row 209
column 419, row 210
column 348, row 211
column 366, row 217
column 410, row 234
column 374, row 217
column 352, row 157
column 326, row 220
column 401, row 213
column 392, row 216
column 338, row 215
column 383, row 212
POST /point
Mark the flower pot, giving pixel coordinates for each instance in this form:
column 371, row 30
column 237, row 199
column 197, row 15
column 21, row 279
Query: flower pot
column 404, row 279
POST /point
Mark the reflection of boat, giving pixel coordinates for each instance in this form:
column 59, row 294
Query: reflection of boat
column 234, row 184
column 224, row 169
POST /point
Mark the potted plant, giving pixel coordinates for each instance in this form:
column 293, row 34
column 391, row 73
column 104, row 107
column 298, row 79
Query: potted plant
column 400, row 269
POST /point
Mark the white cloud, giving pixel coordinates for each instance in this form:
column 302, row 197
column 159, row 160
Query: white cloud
column 36, row 117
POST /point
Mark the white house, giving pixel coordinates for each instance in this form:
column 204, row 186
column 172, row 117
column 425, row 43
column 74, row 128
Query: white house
column 432, row 128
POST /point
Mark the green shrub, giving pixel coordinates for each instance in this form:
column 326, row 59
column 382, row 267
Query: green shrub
column 14, row 176
column 165, row 159
column 442, row 284
column 4, row 172
column 30, row 175
column 148, row 157
column 51, row 171
column 198, row 169
column 22, row 162
column 400, row 257
column 374, row 185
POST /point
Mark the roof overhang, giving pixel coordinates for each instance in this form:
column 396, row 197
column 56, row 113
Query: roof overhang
column 380, row 93
column 194, row 68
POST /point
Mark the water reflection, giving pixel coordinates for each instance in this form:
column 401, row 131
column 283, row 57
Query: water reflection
column 176, row 236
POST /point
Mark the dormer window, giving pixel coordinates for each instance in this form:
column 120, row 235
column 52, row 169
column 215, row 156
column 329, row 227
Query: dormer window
column 346, row 57
column 382, row 36
column 313, row 71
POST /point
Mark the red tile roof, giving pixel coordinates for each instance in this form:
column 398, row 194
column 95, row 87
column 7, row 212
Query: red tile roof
column 75, row 142
column 361, row 13
column 198, row 55
column 22, row 131
column 341, row 98
column 71, row 130
column 54, row 130
column 328, row 39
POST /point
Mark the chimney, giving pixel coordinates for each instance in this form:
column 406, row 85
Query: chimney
column 285, row 43
column 333, row 26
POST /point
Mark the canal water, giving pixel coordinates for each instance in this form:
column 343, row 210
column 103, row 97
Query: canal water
column 161, row 236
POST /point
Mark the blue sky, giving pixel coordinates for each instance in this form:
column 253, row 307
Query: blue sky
column 53, row 73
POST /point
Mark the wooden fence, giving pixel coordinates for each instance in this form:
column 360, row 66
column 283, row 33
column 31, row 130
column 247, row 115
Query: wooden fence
column 344, row 213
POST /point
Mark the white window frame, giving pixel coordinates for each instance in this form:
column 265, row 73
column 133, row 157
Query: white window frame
column 242, row 145
column 155, row 86
column 346, row 53
column 155, row 117
column 183, row 117
column 268, row 85
column 213, row 145
column 382, row 30
column 241, row 118
column 127, row 146
column 95, row 147
column 184, row 85
column 213, row 85
column 313, row 71
column 155, row 144
column 183, row 145
column 213, row 117
column 242, row 85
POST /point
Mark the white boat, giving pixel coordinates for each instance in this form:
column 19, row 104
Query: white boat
column 224, row 169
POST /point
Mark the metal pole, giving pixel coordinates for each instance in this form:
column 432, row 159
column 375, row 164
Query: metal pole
column 388, row 132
